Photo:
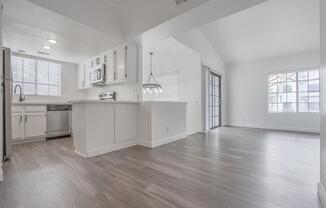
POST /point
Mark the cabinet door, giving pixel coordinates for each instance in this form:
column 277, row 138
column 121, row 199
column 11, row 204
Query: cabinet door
column 34, row 125
column 110, row 66
column 125, row 123
column 17, row 126
column 121, row 63
column 81, row 78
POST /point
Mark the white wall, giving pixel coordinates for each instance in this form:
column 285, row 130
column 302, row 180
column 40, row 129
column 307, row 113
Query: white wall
column 322, row 184
column 247, row 92
column 161, row 123
column 173, row 57
column 69, row 78
column 196, row 40
column 1, row 105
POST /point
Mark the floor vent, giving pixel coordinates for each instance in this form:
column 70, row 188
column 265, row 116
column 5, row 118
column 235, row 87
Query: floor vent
column 178, row 2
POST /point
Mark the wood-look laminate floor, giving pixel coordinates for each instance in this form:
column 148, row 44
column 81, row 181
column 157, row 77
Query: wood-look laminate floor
column 233, row 168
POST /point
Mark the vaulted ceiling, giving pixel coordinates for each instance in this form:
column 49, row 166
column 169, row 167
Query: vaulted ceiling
column 271, row 29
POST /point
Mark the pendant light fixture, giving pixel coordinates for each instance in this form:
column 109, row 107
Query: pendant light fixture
column 151, row 85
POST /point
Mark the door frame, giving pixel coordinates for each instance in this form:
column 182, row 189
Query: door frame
column 206, row 70
column 220, row 100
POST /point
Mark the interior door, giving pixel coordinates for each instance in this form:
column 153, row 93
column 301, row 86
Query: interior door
column 214, row 100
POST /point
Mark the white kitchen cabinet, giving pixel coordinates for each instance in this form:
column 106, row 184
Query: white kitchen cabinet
column 121, row 66
column 34, row 125
column 110, row 66
column 83, row 73
column 121, row 55
column 28, row 123
column 127, row 63
column 126, row 119
column 17, row 126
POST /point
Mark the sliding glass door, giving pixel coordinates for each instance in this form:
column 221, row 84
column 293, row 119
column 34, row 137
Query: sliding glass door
column 214, row 100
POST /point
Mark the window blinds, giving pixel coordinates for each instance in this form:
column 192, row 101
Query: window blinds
column 36, row 77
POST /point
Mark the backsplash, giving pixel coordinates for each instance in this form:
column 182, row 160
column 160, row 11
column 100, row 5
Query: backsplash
column 125, row 91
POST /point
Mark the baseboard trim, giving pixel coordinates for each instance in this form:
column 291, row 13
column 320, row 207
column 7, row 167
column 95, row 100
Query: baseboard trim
column 1, row 174
column 80, row 154
column 31, row 140
column 119, row 146
column 322, row 194
column 111, row 148
column 160, row 142
column 308, row 130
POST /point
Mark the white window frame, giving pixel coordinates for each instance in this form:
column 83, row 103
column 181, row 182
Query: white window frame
column 297, row 90
column 36, row 83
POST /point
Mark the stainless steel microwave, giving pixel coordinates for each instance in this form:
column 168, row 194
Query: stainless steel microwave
column 97, row 76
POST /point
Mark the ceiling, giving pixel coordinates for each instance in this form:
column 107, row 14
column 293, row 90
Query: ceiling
column 85, row 28
column 273, row 28
column 27, row 27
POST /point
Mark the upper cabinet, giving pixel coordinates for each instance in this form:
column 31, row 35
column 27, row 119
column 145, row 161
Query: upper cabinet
column 83, row 70
column 121, row 65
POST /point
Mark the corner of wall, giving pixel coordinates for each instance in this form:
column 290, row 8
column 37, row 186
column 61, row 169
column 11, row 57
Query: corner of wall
column 322, row 195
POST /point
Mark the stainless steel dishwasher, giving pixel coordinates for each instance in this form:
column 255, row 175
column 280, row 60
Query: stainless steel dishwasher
column 58, row 121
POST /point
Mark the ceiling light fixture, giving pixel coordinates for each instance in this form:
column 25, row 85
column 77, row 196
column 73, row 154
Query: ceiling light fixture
column 53, row 41
column 46, row 47
column 151, row 85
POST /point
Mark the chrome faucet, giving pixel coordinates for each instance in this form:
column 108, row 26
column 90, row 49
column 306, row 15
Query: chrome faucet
column 21, row 94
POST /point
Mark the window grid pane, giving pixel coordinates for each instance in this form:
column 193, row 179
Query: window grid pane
column 36, row 77
column 294, row 91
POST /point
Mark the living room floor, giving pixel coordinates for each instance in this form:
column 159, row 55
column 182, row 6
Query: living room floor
column 229, row 167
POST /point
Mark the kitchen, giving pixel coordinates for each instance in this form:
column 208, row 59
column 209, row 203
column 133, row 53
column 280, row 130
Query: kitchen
column 35, row 118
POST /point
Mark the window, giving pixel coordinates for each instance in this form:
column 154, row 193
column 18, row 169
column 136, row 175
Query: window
column 36, row 77
column 294, row 91
column 214, row 100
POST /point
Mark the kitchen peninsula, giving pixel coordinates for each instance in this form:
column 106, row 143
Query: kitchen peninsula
column 100, row 127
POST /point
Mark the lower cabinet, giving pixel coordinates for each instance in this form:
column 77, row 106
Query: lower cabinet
column 17, row 126
column 29, row 124
column 126, row 118
column 34, row 125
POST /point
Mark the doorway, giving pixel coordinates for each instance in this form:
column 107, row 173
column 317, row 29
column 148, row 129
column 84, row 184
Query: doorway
column 214, row 97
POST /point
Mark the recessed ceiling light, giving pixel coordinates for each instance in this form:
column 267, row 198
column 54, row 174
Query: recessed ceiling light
column 46, row 47
column 53, row 41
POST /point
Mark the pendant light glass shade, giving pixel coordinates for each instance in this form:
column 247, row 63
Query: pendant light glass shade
column 151, row 85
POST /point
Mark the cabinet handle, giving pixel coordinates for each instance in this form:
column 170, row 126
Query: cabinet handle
column 126, row 52
column 115, row 65
column 21, row 118
column 25, row 118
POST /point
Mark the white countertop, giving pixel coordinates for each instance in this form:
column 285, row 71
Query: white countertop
column 90, row 101
column 103, row 101
column 122, row 102
column 40, row 103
